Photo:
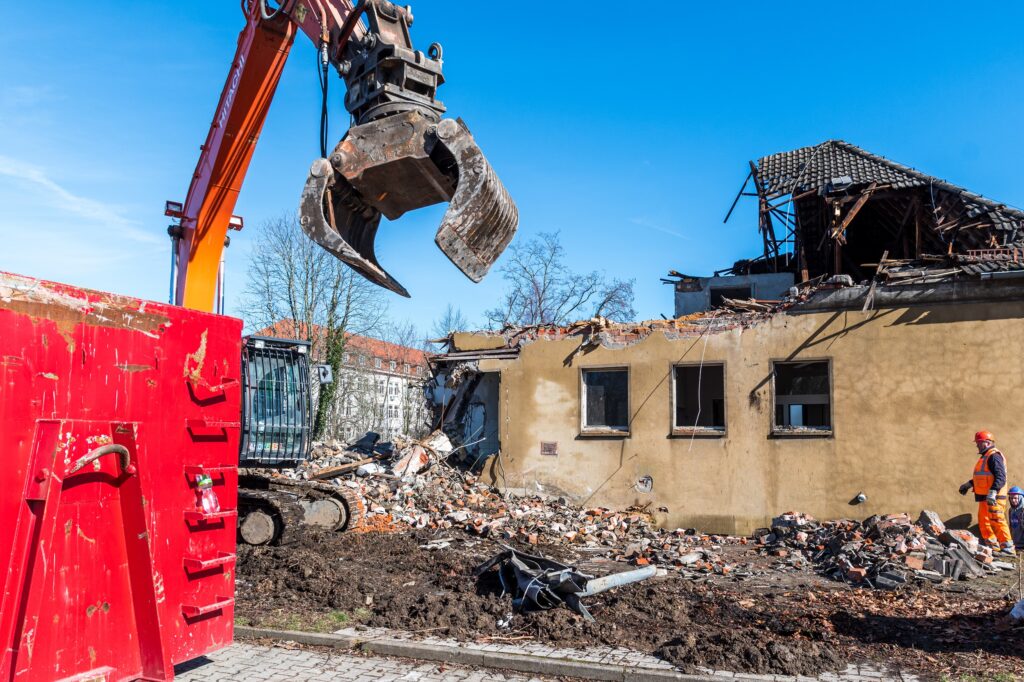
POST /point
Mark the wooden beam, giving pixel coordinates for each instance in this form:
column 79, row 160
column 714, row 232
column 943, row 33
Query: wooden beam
column 796, row 197
column 331, row 472
column 741, row 193
column 917, row 228
column 857, row 206
column 870, row 298
column 765, row 222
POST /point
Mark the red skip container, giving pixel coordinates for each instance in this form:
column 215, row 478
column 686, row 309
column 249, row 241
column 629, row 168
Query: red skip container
column 110, row 409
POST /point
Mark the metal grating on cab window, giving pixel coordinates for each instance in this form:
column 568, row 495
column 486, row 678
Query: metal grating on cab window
column 276, row 418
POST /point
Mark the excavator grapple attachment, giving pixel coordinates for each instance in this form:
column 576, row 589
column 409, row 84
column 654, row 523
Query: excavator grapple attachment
column 402, row 155
column 399, row 164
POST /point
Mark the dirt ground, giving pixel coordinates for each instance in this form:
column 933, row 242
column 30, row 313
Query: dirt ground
column 784, row 622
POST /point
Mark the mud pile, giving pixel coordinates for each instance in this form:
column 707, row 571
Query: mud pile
column 395, row 581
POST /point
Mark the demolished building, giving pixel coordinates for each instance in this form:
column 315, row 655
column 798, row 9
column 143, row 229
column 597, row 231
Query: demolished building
column 855, row 393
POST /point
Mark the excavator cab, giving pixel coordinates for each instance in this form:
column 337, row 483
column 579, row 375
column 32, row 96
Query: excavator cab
column 276, row 396
column 400, row 154
column 276, row 427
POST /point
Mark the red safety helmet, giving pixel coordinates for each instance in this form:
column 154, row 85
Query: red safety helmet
column 984, row 435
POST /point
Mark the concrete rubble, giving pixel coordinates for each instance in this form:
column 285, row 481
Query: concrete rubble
column 411, row 484
column 884, row 552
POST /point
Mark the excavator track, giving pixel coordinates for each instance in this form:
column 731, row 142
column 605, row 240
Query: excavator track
column 273, row 508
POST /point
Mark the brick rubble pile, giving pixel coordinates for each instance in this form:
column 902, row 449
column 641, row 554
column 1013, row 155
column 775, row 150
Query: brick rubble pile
column 883, row 552
column 409, row 484
column 431, row 494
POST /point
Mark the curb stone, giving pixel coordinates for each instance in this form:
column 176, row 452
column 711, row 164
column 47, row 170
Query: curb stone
column 525, row 663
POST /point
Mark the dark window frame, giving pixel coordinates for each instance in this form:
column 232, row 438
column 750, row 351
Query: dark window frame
column 603, row 431
column 803, row 432
column 698, row 431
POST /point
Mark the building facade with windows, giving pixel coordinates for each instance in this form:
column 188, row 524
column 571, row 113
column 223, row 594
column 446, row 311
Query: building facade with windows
column 902, row 335
column 380, row 389
column 723, row 422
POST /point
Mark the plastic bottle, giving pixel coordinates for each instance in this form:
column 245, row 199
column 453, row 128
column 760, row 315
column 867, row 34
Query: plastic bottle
column 207, row 496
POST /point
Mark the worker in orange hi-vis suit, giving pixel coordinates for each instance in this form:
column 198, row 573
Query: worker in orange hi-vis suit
column 990, row 491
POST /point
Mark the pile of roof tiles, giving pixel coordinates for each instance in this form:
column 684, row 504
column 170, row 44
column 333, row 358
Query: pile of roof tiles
column 883, row 552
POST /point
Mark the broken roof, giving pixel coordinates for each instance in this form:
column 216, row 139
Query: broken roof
column 837, row 163
column 834, row 208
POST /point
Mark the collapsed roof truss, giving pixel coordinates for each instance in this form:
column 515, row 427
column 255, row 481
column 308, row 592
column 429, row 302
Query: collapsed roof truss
column 835, row 208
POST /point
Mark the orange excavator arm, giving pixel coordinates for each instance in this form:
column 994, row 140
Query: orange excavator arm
column 398, row 155
column 205, row 216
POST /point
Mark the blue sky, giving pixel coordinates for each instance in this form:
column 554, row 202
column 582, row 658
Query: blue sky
column 628, row 133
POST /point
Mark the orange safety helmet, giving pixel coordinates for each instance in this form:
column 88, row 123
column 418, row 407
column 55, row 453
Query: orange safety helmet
column 984, row 435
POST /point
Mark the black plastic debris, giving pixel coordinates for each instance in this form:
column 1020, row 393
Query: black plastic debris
column 537, row 583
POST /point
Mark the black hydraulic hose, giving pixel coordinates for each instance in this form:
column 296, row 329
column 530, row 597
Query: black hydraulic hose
column 323, row 74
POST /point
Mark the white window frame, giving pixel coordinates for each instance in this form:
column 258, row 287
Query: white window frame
column 604, row 430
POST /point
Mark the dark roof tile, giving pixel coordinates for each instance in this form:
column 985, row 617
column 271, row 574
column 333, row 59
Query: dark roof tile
column 810, row 168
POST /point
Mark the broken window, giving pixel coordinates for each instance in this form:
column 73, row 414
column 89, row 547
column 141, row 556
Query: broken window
column 802, row 397
column 606, row 400
column 699, row 399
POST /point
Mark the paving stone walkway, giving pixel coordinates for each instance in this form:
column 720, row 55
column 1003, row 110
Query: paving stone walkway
column 625, row 657
column 242, row 661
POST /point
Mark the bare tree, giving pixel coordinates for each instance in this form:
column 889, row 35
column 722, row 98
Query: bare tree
column 291, row 278
column 542, row 289
column 452, row 320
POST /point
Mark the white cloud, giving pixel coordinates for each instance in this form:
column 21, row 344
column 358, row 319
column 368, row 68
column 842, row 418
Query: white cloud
column 58, row 197
column 644, row 222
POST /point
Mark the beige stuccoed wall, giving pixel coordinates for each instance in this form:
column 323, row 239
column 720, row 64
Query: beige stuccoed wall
column 910, row 388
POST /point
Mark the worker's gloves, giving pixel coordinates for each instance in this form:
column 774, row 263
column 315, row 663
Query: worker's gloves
column 965, row 487
column 990, row 499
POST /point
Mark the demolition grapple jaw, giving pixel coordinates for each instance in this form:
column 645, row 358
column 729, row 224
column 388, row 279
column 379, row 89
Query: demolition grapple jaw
column 402, row 155
column 398, row 164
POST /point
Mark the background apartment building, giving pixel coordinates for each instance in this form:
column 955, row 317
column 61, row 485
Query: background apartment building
column 380, row 388
column 379, row 385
